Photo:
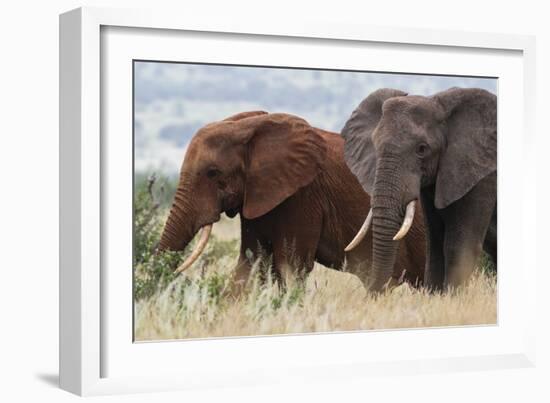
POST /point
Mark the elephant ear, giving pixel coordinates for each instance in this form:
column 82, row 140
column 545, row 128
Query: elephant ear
column 284, row 154
column 244, row 115
column 359, row 151
column 470, row 115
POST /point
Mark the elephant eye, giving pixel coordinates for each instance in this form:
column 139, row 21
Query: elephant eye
column 422, row 150
column 212, row 173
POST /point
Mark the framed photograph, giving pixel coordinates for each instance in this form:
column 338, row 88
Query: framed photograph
column 244, row 204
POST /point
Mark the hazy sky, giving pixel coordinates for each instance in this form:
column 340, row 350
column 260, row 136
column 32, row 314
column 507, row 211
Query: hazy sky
column 172, row 101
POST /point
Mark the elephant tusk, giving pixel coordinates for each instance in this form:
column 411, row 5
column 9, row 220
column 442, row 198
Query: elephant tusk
column 407, row 221
column 199, row 247
column 361, row 233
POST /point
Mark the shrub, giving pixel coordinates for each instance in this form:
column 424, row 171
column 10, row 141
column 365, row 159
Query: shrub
column 152, row 272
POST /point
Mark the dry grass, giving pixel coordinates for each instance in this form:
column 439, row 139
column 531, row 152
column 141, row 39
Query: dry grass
column 193, row 306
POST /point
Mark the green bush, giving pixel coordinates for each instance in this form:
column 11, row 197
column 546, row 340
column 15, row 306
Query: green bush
column 153, row 273
column 150, row 272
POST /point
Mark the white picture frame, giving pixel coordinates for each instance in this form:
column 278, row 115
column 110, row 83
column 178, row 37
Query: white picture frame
column 83, row 173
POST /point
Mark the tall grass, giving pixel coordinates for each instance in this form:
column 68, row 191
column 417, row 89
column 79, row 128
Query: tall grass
column 195, row 305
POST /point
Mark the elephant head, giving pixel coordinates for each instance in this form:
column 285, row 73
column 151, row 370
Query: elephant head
column 397, row 145
column 248, row 163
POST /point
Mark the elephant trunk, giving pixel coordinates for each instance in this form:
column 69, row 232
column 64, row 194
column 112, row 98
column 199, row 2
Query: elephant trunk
column 386, row 221
column 179, row 229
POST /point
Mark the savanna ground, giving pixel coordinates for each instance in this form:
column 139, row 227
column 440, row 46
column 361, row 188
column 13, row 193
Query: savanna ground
column 193, row 305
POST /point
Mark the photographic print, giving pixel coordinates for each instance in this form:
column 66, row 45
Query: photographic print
column 273, row 200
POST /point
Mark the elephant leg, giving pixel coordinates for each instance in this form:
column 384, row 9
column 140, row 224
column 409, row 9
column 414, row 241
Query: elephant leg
column 294, row 253
column 466, row 224
column 253, row 247
column 434, row 275
column 462, row 251
column 291, row 261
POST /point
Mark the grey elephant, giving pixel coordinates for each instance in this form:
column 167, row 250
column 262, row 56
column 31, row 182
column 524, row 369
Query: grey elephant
column 441, row 150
